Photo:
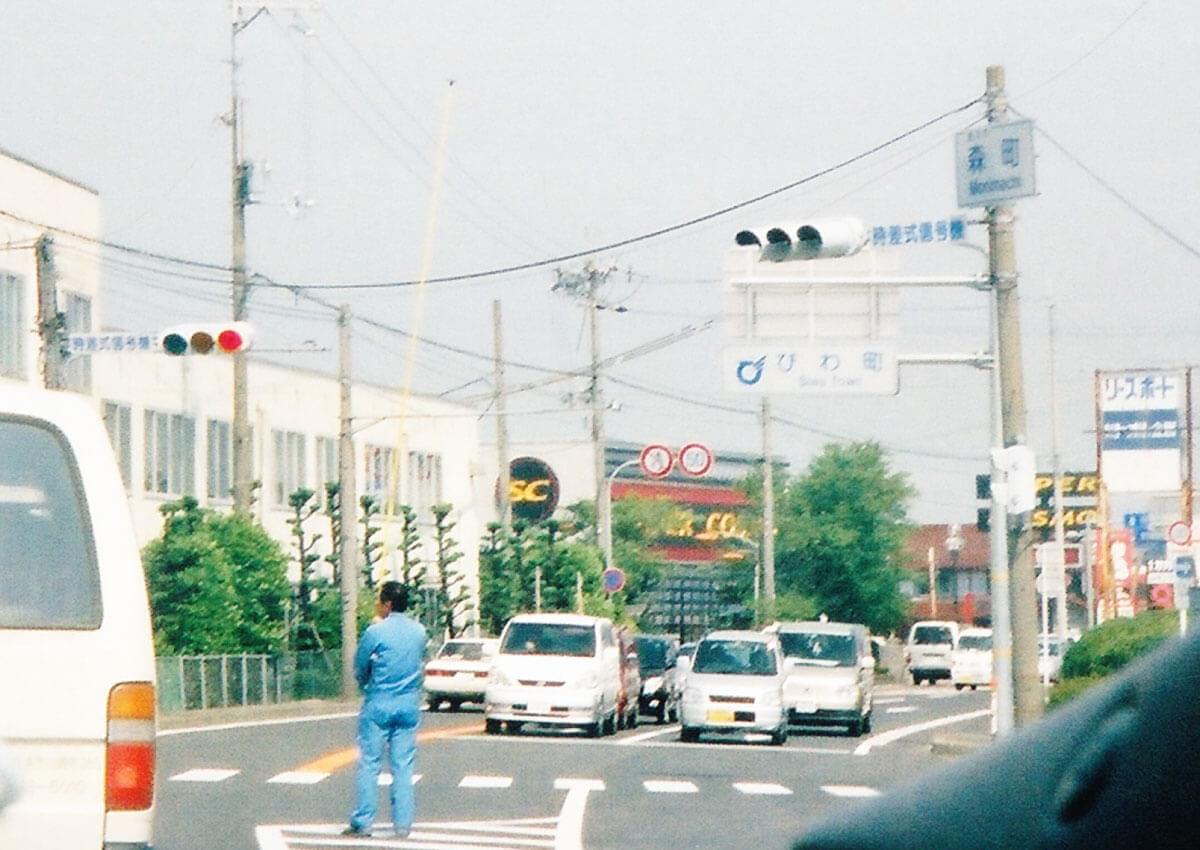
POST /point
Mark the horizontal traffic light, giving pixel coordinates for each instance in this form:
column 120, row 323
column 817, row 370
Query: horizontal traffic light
column 226, row 338
column 809, row 240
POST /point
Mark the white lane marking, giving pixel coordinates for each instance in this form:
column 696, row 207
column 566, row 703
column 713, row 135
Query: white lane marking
column 767, row 788
column 585, row 742
column 885, row 738
column 645, row 736
column 298, row 777
column 567, row 783
column 486, row 782
column 205, row 774
column 888, row 700
column 669, row 786
column 901, row 709
column 569, row 834
column 849, row 790
column 385, row 779
column 250, row 724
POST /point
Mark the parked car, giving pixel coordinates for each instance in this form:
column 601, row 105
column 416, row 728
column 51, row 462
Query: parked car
column 628, row 700
column 459, row 672
column 735, row 686
column 831, row 674
column 927, row 652
column 971, row 661
column 558, row 669
column 658, row 656
column 77, row 704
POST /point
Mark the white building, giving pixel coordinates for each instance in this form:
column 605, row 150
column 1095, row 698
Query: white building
column 170, row 417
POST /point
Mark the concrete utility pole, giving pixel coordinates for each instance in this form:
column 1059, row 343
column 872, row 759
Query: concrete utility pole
column 595, row 279
column 348, row 506
column 768, row 517
column 1060, row 609
column 51, row 326
column 499, row 402
column 1028, row 693
column 243, row 458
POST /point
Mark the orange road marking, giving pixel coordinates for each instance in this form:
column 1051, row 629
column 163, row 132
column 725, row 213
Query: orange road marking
column 334, row 761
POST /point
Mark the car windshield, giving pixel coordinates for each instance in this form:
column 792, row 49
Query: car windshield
column 932, row 635
column 817, row 649
column 549, row 639
column 687, row 650
column 652, row 654
column 48, row 573
column 980, row 642
column 462, row 650
column 738, row 657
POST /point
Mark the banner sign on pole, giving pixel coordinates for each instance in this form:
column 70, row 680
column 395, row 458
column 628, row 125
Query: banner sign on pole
column 1141, row 438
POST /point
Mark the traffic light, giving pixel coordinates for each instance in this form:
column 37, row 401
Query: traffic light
column 983, row 519
column 225, row 338
column 810, row 240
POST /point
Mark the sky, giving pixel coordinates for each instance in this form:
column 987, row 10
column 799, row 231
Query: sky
column 570, row 126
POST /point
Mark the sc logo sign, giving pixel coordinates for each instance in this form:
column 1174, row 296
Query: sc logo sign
column 523, row 492
column 750, row 372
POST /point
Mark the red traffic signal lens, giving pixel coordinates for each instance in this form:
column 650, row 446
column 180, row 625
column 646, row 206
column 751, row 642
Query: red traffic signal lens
column 174, row 344
column 229, row 341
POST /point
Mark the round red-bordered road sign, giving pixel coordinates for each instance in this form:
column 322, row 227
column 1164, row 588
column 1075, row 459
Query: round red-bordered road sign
column 1180, row 533
column 613, row 580
column 695, row 459
column 656, row 460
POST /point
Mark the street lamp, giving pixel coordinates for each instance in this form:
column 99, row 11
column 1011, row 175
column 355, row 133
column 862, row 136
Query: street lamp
column 608, row 485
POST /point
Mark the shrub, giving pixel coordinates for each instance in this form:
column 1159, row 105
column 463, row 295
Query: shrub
column 1110, row 646
column 1068, row 689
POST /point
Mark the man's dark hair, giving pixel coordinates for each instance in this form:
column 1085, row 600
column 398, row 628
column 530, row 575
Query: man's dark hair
column 396, row 594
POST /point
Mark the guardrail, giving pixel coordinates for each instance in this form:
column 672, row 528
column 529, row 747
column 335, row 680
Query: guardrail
column 191, row 682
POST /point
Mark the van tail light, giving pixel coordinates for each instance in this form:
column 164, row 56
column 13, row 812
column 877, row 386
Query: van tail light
column 129, row 750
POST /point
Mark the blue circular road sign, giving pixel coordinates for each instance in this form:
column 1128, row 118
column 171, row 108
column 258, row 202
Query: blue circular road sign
column 613, row 580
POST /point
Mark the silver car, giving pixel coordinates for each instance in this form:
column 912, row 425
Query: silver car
column 735, row 685
column 831, row 674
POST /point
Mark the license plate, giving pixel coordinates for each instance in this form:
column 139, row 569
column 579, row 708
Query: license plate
column 807, row 707
column 538, row 708
column 720, row 716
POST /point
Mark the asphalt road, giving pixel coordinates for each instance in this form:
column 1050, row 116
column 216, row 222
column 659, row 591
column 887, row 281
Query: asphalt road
column 286, row 784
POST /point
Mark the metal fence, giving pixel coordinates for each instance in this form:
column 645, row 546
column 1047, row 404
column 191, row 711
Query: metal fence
column 188, row 682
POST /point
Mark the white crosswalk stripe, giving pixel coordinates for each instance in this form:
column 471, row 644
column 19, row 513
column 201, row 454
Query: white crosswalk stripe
column 765, row 788
column 849, row 791
column 205, row 774
column 298, row 777
column 485, row 782
column 670, row 786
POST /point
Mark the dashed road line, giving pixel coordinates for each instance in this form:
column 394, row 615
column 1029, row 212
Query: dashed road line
column 646, row 736
column 763, row 788
column 472, row 781
column 888, row 700
column 849, row 791
column 298, row 777
column 901, row 709
column 669, row 786
column 205, row 774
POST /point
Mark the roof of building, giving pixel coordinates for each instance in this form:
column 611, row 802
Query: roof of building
column 57, row 175
column 975, row 552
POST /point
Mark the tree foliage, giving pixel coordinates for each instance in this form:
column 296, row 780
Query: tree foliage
column 454, row 596
column 841, row 527
column 218, row 583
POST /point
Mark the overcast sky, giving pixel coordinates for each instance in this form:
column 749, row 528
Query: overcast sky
column 571, row 125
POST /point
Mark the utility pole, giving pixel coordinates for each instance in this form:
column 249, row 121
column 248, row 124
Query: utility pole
column 768, row 510
column 240, row 196
column 499, row 402
column 51, row 322
column 593, row 307
column 1060, row 610
column 1028, row 693
column 348, row 507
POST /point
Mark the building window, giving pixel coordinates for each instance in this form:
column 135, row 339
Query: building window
column 118, row 419
column 170, row 456
column 327, row 463
column 379, row 463
column 424, row 483
column 77, row 371
column 290, row 468
column 12, row 325
column 220, row 459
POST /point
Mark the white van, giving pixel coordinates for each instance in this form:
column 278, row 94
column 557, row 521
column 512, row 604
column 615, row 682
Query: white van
column 927, row 652
column 559, row 669
column 77, row 712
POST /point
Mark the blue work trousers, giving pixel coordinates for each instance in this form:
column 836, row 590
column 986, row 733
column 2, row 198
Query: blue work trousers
column 394, row 722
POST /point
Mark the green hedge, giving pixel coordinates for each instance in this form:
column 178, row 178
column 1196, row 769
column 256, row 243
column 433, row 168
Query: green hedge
column 1110, row 646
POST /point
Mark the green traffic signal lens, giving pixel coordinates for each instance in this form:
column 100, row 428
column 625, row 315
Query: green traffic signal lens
column 174, row 344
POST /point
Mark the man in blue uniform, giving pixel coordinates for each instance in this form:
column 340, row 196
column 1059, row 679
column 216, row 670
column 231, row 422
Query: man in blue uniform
column 388, row 666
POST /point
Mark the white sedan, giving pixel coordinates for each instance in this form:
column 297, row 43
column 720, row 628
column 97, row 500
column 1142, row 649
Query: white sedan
column 459, row 672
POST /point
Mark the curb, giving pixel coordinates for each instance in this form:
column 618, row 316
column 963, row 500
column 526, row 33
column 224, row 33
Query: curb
column 239, row 713
column 958, row 745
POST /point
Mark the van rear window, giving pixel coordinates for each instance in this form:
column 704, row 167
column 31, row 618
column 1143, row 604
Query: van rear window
column 932, row 635
column 549, row 639
column 48, row 573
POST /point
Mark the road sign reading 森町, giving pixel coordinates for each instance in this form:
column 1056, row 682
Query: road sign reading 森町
column 835, row 368
column 994, row 164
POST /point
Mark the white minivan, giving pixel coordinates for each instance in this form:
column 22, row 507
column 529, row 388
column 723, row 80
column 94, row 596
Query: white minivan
column 927, row 652
column 77, row 711
column 557, row 669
